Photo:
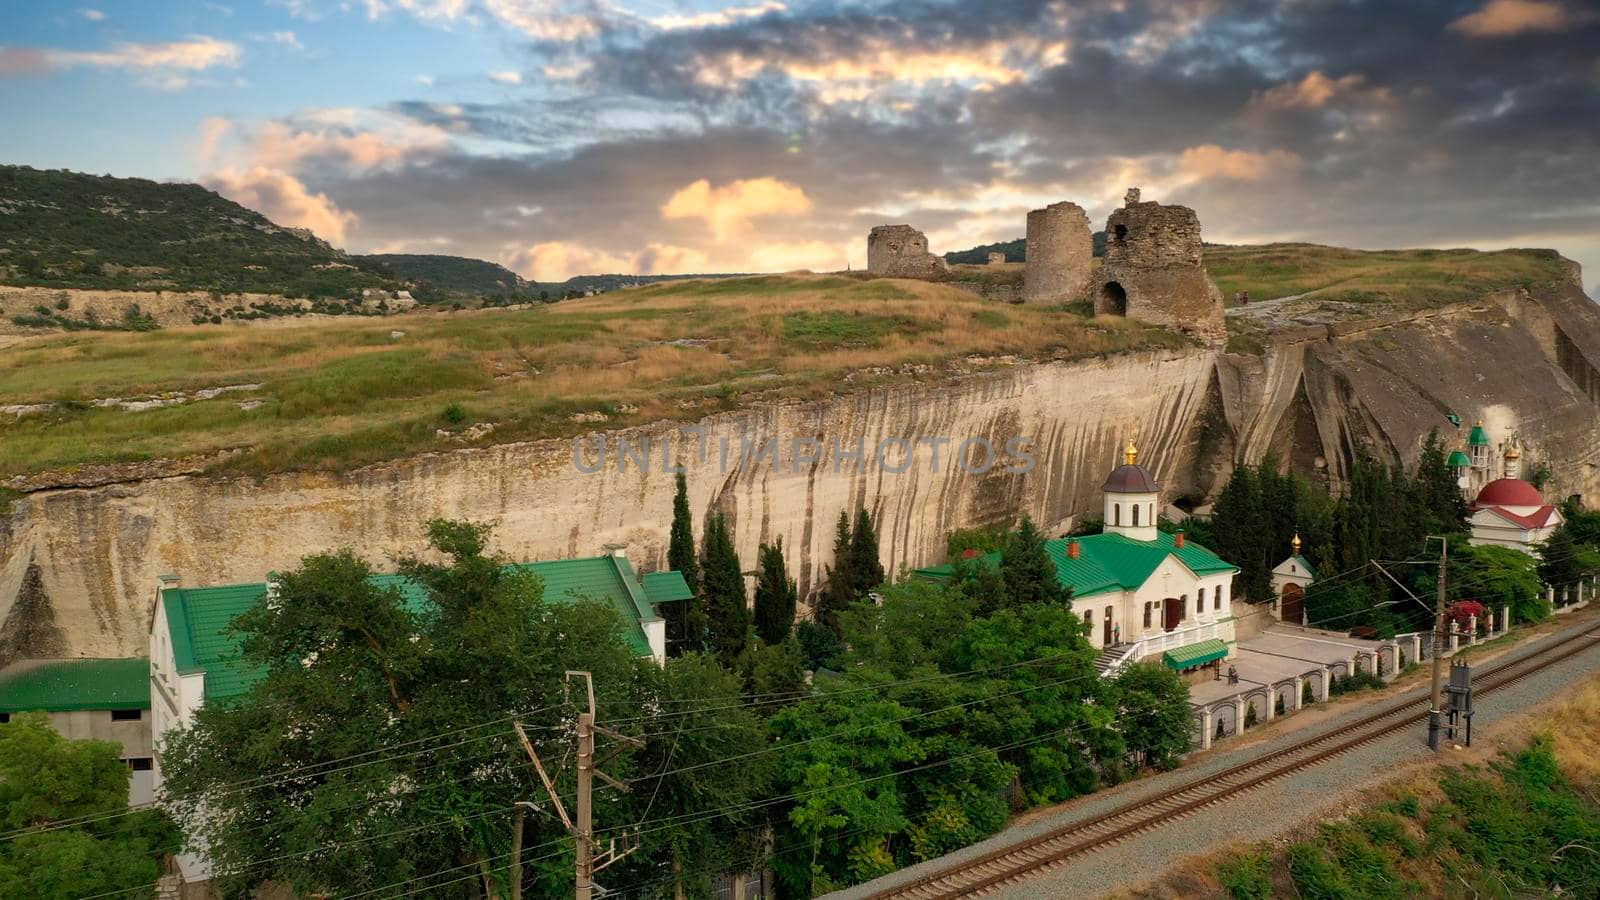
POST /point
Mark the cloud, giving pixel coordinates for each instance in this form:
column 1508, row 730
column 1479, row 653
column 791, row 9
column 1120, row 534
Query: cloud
column 163, row 65
column 506, row 77
column 1311, row 92
column 281, row 38
column 560, row 260
column 546, row 19
column 348, row 140
column 716, row 18
column 729, row 208
column 93, row 15
column 1211, row 161
column 284, row 199
column 1508, row 18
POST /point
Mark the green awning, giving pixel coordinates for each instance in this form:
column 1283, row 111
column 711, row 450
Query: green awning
column 1195, row 654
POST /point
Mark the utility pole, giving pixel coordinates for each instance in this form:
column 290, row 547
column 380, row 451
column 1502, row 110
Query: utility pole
column 582, row 830
column 1435, row 713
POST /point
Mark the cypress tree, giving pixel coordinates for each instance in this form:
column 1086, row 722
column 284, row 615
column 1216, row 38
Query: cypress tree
column 1441, row 499
column 1027, row 570
column 776, row 596
column 866, row 571
column 686, row 623
column 838, row 591
column 1236, row 525
column 680, row 545
column 722, row 593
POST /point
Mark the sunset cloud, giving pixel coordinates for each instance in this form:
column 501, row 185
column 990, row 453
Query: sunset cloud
column 353, row 140
column 560, row 260
column 1508, row 18
column 1211, row 161
column 729, row 208
column 192, row 54
column 1311, row 92
column 283, row 199
column 716, row 18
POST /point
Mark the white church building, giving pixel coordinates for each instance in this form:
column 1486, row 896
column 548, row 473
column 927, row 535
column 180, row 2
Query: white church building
column 1142, row 592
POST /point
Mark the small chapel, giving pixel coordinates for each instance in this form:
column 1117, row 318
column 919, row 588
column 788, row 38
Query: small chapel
column 1143, row 593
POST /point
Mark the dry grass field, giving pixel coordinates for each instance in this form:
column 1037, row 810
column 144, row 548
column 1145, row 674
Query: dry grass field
column 1398, row 278
column 337, row 393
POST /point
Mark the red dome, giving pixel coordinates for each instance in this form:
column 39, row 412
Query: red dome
column 1130, row 479
column 1509, row 492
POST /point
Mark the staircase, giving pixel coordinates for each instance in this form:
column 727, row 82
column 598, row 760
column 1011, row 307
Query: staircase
column 1112, row 660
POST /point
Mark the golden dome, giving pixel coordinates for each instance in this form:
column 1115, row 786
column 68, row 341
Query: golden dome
column 1296, row 543
column 1131, row 454
column 1513, row 452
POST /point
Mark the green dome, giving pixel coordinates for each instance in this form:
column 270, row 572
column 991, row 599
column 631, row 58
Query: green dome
column 1459, row 460
column 1478, row 438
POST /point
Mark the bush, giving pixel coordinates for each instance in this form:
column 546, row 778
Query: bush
column 1246, row 877
column 453, row 414
column 818, row 644
column 1360, row 681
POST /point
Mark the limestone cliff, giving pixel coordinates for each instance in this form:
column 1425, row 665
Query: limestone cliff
column 1526, row 363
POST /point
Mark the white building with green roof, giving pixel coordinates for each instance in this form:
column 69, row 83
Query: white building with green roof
column 90, row 699
column 1143, row 593
column 194, row 659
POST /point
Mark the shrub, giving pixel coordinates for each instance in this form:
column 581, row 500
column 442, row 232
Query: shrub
column 1250, row 716
column 1246, row 877
column 453, row 414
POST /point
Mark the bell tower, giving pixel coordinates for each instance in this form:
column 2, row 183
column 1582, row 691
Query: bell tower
column 1131, row 499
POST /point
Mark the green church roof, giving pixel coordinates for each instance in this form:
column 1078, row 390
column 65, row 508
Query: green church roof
column 69, row 685
column 1458, row 460
column 1478, row 437
column 198, row 618
column 1110, row 562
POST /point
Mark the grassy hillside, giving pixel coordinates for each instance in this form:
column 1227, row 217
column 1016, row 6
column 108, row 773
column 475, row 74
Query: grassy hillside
column 70, row 230
column 342, row 393
column 1404, row 278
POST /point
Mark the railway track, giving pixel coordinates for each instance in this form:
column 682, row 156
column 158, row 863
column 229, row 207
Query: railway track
column 1026, row 858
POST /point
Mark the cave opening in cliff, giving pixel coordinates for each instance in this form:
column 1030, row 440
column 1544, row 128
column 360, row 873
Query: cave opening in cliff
column 1113, row 299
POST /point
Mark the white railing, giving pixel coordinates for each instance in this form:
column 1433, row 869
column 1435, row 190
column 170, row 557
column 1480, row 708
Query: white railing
column 1161, row 642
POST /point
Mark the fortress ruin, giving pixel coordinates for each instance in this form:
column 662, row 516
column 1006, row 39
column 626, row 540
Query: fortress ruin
column 1153, row 270
column 900, row 251
column 1059, row 256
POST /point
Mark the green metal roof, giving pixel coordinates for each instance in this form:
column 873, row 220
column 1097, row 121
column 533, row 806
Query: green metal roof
column 198, row 618
column 1478, row 437
column 1110, row 562
column 1195, row 654
column 1458, row 460
column 665, row 587
column 1305, row 564
column 68, row 685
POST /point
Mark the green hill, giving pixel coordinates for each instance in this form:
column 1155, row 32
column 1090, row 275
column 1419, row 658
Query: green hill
column 1016, row 251
column 454, row 274
column 71, row 230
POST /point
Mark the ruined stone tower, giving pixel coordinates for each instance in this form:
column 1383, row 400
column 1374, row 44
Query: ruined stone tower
column 1060, row 253
column 901, row 251
column 1153, row 270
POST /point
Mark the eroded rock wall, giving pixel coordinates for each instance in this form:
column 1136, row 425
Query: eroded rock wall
column 100, row 550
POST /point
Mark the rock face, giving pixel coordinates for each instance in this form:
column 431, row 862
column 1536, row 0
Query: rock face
column 78, row 565
column 1153, row 271
column 900, row 251
column 1060, row 254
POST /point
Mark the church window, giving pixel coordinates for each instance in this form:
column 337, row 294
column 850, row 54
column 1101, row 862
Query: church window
column 1116, row 514
column 1136, row 515
column 1147, row 614
column 1183, row 607
column 1200, row 604
column 1216, row 598
column 1088, row 617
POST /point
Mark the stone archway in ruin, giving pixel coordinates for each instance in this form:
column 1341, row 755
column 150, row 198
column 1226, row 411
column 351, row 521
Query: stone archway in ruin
column 1113, row 300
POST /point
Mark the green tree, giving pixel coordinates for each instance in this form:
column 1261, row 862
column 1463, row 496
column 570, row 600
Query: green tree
column 1237, row 526
column 838, row 590
column 1563, row 561
column 1153, row 714
column 1441, row 501
column 1497, row 576
column 398, row 673
column 776, row 595
column 45, row 779
column 1028, row 572
column 722, row 594
column 686, row 623
column 704, row 758
column 866, row 570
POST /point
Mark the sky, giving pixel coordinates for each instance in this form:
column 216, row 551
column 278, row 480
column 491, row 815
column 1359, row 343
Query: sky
column 563, row 137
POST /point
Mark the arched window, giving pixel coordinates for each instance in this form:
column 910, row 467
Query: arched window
column 1183, row 607
column 1136, row 515
column 1200, row 604
column 1216, row 598
column 1116, row 514
column 1147, row 614
column 1088, row 617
